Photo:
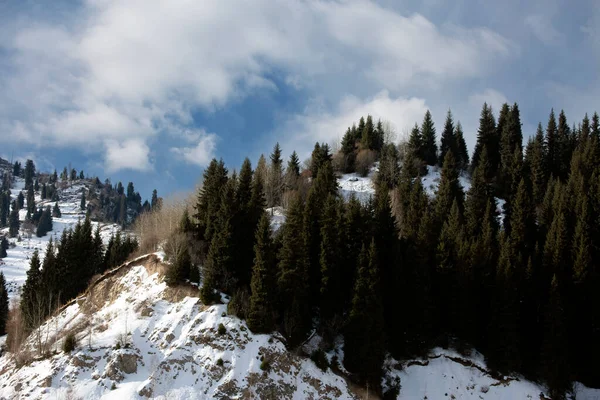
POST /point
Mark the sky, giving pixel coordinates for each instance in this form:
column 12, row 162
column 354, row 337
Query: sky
column 150, row 91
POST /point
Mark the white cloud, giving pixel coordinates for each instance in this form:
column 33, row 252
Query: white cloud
column 542, row 28
column 128, row 71
column 202, row 152
column 129, row 154
column 315, row 125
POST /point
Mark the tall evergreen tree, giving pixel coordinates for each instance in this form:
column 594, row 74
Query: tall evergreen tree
column 292, row 276
column 429, row 140
column 462, row 155
column 449, row 141
column 488, row 140
column 261, row 317
column 3, row 305
column 29, row 174
column 13, row 223
column 364, row 338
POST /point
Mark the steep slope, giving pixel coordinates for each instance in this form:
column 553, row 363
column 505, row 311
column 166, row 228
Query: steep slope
column 139, row 338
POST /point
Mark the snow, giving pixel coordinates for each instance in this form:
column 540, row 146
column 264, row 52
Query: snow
column 277, row 215
column 16, row 264
column 361, row 187
column 174, row 346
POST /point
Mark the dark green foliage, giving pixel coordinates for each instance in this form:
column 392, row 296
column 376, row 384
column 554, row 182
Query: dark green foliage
column 3, row 246
column 29, row 174
column 33, row 305
column 449, row 190
column 45, row 223
column 221, row 330
column 20, row 200
column 389, row 167
column 17, row 169
column 56, row 211
column 320, row 359
column 429, row 140
column 462, row 154
column 30, row 200
column 180, row 262
column 3, row 305
column 292, row 275
column 554, row 354
column 69, row 343
column 449, row 141
column 13, row 222
column 320, row 157
column 364, row 337
column 487, row 140
column 261, row 317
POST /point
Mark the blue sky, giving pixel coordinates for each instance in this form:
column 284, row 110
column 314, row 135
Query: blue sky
column 150, row 91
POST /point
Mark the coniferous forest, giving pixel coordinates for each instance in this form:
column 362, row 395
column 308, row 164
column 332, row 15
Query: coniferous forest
column 508, row 267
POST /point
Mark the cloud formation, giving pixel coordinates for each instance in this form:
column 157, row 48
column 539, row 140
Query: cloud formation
column 120, row 73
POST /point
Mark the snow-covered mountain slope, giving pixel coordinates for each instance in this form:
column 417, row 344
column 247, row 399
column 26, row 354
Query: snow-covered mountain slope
column 16, row 264
column 137, row 338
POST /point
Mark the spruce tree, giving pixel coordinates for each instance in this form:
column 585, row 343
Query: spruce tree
column 449, row 141
column 20, row 201
column 552, row 147
column 415, row 142
column 261, row 317
column 3, row 305
column 554, row 355
column 292, row 172
column 274, row 185
column 462, row 155
column 429, row 140
column 292, row 276
column 13, row 222
column 32, row 304
column 45, row 223
column 30, row 200
column 56, row 211
column 29, row 174
column 82, row 204
column 487, row 139
column 364, row 349
column 449, row 189
column 330, row 262
column 3, row 247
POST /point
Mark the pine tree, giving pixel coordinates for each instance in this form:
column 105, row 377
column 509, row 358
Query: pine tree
column 292, row 276
column 82, row 203
column 32, row 305
column 415, row 142
column 30, row 200
column 45, row 223
column 219, row 269
column 462, row 155
column 3, row 247
column 429, row 140
column 43, row 194
column 209, row 199
column 13, row 222
column 554, row 356
column 511, row 141
column 20, row 201
column 274, row 185
column 488, row 140
column 261, row 317
column 3, row 305
column 330, row 262
column 56, row 211
column 364, row 338
column 553, row 147
column 292, row 172
column 29, row 174
column 154, row 199
column 449, row 189
column 449, row 141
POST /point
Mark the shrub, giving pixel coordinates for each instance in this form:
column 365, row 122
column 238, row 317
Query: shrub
column 222, row 330
column 239, row 303
column 364, row 161
column 265, row 365
column 69, row 343
column 220, row 362
column 320, row 359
